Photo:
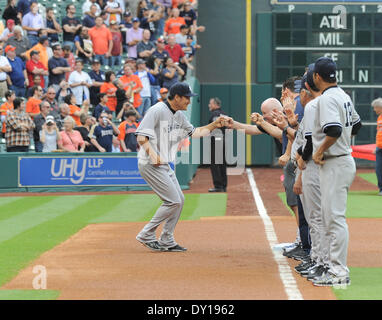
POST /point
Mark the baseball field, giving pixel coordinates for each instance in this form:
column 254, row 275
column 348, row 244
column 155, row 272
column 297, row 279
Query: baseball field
column 82, row 246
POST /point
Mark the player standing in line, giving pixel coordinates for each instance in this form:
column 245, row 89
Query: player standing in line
column 377, row 106
column 159, row 134
column 336, row 120
column 310, row 183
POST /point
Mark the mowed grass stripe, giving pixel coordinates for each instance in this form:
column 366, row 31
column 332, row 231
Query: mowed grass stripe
column 130, row 208
column 370, row 177
column 191, row 204
column 360, row 204
column 16, row 253
column 10, row 207
column 31, row 217
column 366, row 284
column 29, row 294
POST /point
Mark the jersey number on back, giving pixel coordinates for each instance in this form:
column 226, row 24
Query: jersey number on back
column 348, row 114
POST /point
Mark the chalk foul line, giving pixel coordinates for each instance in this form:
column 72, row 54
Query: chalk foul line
column 286, row 275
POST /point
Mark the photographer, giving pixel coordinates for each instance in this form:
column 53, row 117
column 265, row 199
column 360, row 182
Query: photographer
column 101, row 135
column 50, row 136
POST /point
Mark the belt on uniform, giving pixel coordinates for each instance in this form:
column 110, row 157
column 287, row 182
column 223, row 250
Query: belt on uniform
column 3, row 80
column 333, row 157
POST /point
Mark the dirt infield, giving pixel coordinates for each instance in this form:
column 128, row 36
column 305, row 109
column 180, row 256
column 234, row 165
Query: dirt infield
column 228, row 257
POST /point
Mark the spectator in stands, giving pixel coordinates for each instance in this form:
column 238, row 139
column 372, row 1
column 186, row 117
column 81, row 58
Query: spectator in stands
column 52, row 26
column 87, row 8
column 45, row 53
column 10, row 12
column 110, row 89
column 39, row 120
column 116, row 146
column 102, row 106
column 33, row 103
column 102, row 41
column 18, row 127
column 122, row 96
column 173, row 23
column 145, row 48
column 89, row 20
column 160, row 52
column 114, row 11
column 8, row 31
column 58, row 66
column 80, row 82
column 63, row 91
column 98, row 78
column 188, row 13
column 189, row 52
column 127, row 131
column 146, row 79
column 131, row 80
column 5, row 67
column 23, row 6
column 87, row 122
column 127, row 20
column 53, row 103
column 156, row 72
column 36, row 82
column 71, row 139
column 175, row 50
column 163, row 94
column 171, row 74
column 142, row 5
column 68, row 55
column 50, row 137
column 101, row 135
column 64, row 112
column 32, row 22
column 10, row 96
column 181, row 37
column 18, row 78
column 148, row 20
column 116, row 52
column 35, row 68
column 70, row 25
column 133, row 36
column 19, row 41
column 160, row 21
column 84, row 45
column 75, row 110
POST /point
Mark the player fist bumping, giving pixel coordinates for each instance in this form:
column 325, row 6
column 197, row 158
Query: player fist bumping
column 224, row 121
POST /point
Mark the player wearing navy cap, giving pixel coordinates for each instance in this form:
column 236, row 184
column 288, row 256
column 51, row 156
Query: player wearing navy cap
column 335, row 121
column 159, row 134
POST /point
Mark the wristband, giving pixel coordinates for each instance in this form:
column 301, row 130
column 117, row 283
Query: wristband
column 293, row 126
column 285, row 130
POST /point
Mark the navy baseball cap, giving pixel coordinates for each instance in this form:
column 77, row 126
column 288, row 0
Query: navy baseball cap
column 135, row 19
column 297, row 85
column 181, row 89
column 326, row 68
column 309, row 77
column 302, row 82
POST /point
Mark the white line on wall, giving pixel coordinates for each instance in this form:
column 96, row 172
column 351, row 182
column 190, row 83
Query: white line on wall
column 286, row 275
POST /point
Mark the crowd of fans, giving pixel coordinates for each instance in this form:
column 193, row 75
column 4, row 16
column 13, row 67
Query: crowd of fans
column 83, row 81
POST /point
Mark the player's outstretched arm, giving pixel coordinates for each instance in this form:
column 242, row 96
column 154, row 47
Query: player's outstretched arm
column 222, row 121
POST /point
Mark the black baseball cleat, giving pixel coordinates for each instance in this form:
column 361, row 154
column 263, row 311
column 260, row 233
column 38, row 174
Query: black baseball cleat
column 302, row 255
column 217, row 190
column 176, row 248
column 293, row 251
column 315, row 272
column 304, row 266
column 152, row 245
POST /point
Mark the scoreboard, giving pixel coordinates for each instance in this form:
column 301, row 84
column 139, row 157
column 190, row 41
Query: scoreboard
column 352, row 40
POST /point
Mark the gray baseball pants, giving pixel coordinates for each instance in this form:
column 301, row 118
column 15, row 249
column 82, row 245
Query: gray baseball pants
column 311, row 200
column 163, row 181
column 336, row 176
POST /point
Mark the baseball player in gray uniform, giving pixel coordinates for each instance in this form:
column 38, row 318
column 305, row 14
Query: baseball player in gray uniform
column 310, row 179
column 159, row 134
column 335, row 121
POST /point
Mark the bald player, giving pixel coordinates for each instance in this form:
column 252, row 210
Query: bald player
column 336, row 120
column 159, row 134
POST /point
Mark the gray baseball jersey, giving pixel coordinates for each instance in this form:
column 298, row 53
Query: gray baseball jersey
column 334, row 107
column 298, row 141
column 309, row 116
column 165, row 129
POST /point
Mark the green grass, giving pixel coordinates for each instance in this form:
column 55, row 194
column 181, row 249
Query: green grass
column 366, row 284
column 370, row 177
column 29, row 226
column 361, row 204
column 29, row 294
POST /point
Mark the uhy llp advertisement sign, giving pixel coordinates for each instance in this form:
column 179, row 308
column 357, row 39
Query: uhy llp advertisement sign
column 59, row 171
